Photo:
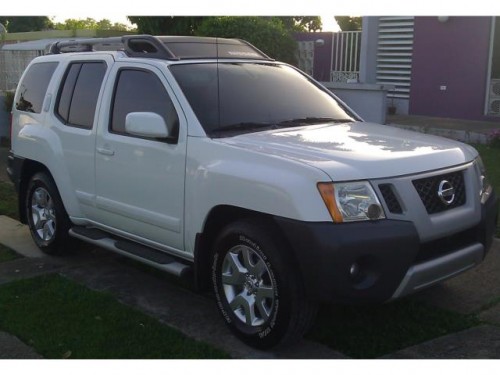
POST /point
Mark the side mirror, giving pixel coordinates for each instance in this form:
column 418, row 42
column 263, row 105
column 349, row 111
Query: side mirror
column 146, row 124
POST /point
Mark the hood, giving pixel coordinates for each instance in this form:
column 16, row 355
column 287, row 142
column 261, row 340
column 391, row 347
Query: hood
column 358, row 150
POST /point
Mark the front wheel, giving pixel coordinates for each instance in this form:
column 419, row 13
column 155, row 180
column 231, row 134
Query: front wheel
column 257, row 288
column 47, row 218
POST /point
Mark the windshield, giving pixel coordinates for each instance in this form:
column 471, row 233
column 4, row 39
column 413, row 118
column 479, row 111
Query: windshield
column 244, row 97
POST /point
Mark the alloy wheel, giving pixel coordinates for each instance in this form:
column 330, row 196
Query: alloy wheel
column 248, row 285
column 43, row 214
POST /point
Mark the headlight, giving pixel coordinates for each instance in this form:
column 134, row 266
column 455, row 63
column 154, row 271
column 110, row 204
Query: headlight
column 485, row 186
column 351, row 201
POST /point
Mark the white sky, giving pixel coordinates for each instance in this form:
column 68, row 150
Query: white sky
column 117, row 11
column 328, row 20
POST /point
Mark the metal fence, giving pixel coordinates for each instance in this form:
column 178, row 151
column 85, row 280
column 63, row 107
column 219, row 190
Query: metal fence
column 12, row 65
column 346, row 51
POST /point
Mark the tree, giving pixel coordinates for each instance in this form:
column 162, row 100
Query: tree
column 347, row 23
column 273, row 35
column 76, row 24
column 188, row 25
column 298, row 24
column 166, row 25
column 21, row 24
column 90, row 24
column 269, row 34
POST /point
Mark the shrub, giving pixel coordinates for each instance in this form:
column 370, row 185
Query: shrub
column 495, row 138
column 266, row 33
column 8, row 100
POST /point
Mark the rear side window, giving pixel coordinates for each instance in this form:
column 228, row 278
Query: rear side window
column 77, row 99
column 33, row 87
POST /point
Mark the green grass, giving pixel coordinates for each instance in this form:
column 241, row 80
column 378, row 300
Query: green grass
column 7, row 254
column 373, row 331
column 491, row 303
column 62, row 319
column 8, row 200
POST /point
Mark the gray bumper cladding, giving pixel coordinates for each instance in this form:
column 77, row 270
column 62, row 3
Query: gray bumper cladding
column 436, row 270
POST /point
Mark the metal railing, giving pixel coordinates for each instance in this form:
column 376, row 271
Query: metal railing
column 345, row 58
column 12, row 65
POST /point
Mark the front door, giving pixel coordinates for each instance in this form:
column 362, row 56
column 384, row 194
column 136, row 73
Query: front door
column 140, row 181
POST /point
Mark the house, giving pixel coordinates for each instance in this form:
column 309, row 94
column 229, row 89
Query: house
column 437, row 66
column 440, row 66
column 333, row 59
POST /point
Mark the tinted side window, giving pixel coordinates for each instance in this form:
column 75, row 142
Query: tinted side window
column 80, row 90
column 141, row 91
column 67, row 91
column 34, row 86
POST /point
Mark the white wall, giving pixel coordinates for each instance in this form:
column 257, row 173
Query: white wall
column 367, row 100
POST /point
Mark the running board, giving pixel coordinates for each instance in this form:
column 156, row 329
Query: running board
column 144, row 254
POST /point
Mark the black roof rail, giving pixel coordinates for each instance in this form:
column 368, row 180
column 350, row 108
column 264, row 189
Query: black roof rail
column 133, row 45
column 147, row 46
column 163, row 47
column 84, row 45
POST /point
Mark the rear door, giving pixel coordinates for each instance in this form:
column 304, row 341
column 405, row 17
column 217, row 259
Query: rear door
column 74, row 117
column 140, row 181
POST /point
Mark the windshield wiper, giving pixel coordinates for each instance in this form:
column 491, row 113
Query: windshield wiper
column 312, row 120
column 242, row 126
column 256, row 126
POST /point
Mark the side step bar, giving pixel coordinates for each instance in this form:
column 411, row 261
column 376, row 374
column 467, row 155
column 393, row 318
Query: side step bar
column 144, row 254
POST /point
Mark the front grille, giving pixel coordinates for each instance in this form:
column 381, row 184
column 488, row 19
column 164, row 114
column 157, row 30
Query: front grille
column 427, row 189
column 390, row 199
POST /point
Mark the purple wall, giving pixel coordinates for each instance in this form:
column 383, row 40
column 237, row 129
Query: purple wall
column 454, row 54
column 322, row 54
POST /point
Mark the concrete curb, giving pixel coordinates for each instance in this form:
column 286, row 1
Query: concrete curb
column 13, row 348
column 481, row 342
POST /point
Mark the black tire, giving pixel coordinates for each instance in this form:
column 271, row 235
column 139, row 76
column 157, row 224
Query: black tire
column 266, row 278
column 47, row 218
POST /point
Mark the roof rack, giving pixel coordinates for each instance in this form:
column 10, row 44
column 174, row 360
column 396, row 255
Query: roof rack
column 133, row 45
column 164, row 47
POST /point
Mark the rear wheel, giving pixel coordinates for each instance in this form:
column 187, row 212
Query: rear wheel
column 258, row 290
column 47, row 218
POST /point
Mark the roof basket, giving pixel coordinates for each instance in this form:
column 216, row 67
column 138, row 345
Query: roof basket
column 146, row 46
column 133, row 45
column 86, row 45
column 165, row 47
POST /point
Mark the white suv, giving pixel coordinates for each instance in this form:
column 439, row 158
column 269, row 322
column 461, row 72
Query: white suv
column 205, row 158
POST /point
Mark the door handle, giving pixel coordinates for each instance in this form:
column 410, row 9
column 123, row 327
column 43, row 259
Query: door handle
column 105, row 151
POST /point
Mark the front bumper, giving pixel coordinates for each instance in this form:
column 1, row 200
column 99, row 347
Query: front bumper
column 367, row 262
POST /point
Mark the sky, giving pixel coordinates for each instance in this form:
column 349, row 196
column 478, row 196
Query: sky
column 328, row 20
column 99, row 9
